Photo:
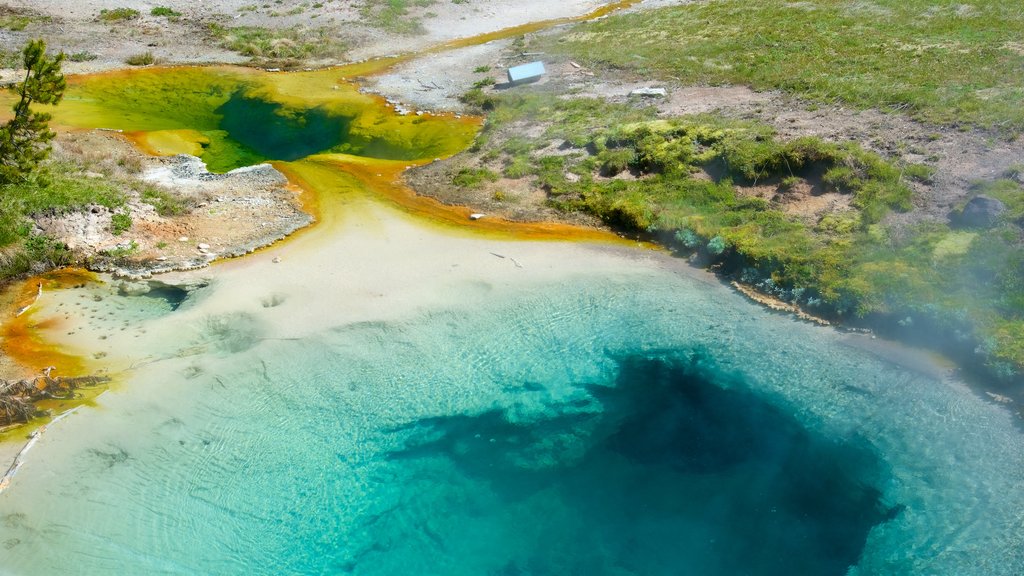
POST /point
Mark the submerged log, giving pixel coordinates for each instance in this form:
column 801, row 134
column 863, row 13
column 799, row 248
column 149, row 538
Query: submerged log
column 18, row 398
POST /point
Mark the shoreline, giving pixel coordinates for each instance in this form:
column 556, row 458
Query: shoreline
column 514, row 255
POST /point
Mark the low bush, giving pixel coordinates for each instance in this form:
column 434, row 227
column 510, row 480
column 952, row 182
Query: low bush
column 164, row 12
column 143, row 59
column 473, row 177
column 118, row 14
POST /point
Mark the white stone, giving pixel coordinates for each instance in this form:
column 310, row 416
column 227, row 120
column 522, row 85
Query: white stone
column 649, row 92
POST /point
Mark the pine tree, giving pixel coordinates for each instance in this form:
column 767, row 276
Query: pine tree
column 25, row 139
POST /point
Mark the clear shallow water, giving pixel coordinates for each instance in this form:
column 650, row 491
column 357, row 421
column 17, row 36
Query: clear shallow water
column 635, row 424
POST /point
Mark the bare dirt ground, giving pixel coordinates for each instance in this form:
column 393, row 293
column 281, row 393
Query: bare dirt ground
column 76, row 27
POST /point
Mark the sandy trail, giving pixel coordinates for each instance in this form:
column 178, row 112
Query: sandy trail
column 76, row 27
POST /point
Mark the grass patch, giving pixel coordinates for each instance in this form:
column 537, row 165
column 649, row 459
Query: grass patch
column 11, row 59
column 118, row 15
column 82, row 57
column 278, row 44
column 165, row 203
column 165, row 12
column 393, row 15
column 674, row 192
column 473, row 177
column 143, row 59
column 120, row 223
column 939, row 62
column 58, row 189
column 16, row 20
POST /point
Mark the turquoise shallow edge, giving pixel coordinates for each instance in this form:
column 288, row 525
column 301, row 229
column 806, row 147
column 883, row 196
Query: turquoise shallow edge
column 528, row 437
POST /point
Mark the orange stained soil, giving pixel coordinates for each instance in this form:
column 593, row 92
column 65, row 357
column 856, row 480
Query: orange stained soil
column 21, row 334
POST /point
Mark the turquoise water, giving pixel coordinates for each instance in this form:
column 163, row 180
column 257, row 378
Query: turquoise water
column 642, row 423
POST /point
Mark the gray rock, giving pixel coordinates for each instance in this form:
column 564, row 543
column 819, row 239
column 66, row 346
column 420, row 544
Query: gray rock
column 134, row 288
column 980, row 212
column 649, row 92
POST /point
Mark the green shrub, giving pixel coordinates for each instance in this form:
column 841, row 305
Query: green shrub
column 518, row 167
column 687, row 238
column 42, row 247
column 919, row 172
column 82, row 57
column 717, row 245
column 143, row 59
column 119, row 14
column 789, row 182
column 476, row 98
column 165, row 12
column 842, row 179
column 616, row 161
